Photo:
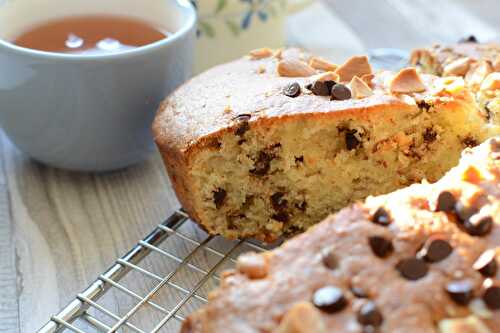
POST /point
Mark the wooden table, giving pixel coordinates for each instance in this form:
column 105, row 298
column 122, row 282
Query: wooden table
column 59, row 230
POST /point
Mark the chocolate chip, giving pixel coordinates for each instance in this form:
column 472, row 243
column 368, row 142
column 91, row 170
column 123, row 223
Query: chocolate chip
column 292, row 90
column 301, row 206
column 464, row 212
column 424, row 105
column 262, row 164
column 359, row 292
column 281, row 217
column 329, row 259
column 412, row 268
column 219, row 197
column 446, row 202
column 382, row 217
column 380, row 246
column 486, row 264
column 309, row 86
column 329, row 299
column 340, row 92
column 478, row 225
column 321, row 88
column 299, row 159
column 369, row 315
column 429, row 135
column 461, row 292
column 470, row 39
column 491, row 295
column 351, row 142
column 435, row 250
column 278, row 201
column 244, row 126
column 470, row 142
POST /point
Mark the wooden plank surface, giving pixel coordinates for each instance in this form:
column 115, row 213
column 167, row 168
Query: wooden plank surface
column 59, row 230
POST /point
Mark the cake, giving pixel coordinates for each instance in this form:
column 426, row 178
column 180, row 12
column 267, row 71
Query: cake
column 423, row 259
column 272, row 143
column 478, row 63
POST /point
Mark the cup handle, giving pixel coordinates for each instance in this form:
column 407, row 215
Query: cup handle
column 297, row 5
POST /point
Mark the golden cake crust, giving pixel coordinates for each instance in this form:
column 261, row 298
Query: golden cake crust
column 275, row 291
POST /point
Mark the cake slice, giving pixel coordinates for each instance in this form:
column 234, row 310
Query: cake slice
column 272, row 143
column 423, row 259
column 478, row 63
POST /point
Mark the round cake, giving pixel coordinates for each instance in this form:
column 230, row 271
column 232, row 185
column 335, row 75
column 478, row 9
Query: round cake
column 272, row 143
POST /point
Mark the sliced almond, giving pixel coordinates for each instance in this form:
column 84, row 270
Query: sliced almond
column 327, row 76
column 322, row 64
column 355, row 66
column 368, row 79
column 302, row 318
column 278, row 54
column 491, row 82
column 417, row 55
column 261, row 53
column 253, row 265
column 359, row 88
column 407, row 81
column 478, row 72
column 294, row 68
column 471, row 324
column 458, row 67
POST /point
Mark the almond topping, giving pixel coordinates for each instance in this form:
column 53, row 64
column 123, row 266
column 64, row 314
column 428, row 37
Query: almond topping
column 470, row 324
column 261, row 53
column 491, row 82
column 478, row 72
column 294, row 68
column 458, row 67
column 355, row 66
column 407, row 81
column 302, row 318
column 322, row 64
column 368, row 79
column 253, row 265
column 359, row 88
column 278, row 54
column 327, row 76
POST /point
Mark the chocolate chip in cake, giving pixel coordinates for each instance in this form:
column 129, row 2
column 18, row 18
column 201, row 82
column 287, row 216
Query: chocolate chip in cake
column 244, row 126
column 278, row 201
column 470, row 39
column 262, row 164
column 281, row 217
column 219, row 197
column 381, row 246
column 329, row 299
column 299, row 160
column 359, row 292
column 351, row 141
column 292, row 90
column 435, row 249
column 469, row 142
column 302, row 206
column 309, row 86
column 464, row 212
column 329, row 259
column 478, row 225
column 486, row 264
column 340, row 92
column 491, row 295
column 446, row 202
column 412, row 268
column 461, row 291
column 369, row 315
column 429, row 135
column 382, row 217
column 322, row 88
column 424, row 105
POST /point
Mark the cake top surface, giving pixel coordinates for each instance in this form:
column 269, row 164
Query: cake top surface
column 273, row 84
column 422, row 259
column 472, row 50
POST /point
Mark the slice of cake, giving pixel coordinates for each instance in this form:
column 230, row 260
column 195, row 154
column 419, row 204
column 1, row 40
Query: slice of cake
column 270, row 144
column 478, row 63
column 419, row 260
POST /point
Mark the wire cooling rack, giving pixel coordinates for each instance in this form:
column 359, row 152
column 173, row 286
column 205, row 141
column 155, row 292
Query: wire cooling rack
column 132, row 296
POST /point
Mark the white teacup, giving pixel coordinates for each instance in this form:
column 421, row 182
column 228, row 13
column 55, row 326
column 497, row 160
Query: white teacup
column 228, row 29
column 90, row 112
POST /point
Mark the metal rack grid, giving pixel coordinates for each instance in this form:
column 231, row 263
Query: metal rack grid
column 86, row 314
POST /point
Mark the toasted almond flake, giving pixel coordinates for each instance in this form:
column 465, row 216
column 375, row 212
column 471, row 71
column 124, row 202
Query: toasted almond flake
column 278, row 54
column 322, row 64
column 470, row 324
column 359, row 88
column 253, row 265
column 407, row 81
column 418, row 54
column 458, row 67
column 355, row 66
column 261, row 53
column 303, row 317
column 294, row 68
column 368, row 79
column 327, row 76
column 491, row 82
column 478, row 72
